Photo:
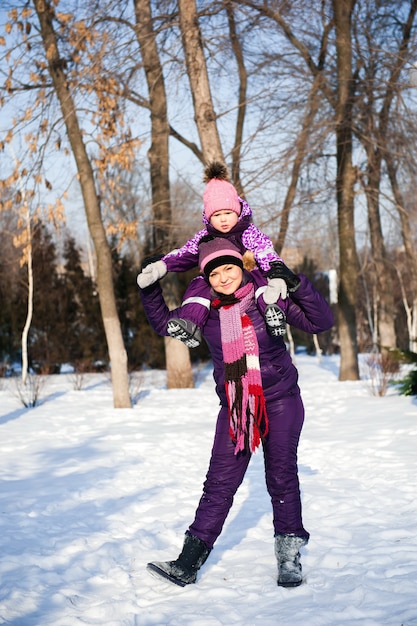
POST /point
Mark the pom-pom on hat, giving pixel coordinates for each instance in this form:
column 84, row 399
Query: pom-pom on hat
column 219, row 194
column 216, row 251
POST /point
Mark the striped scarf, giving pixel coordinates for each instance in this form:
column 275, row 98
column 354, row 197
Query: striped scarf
column 248, row 421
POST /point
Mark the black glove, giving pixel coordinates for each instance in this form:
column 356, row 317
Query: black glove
column 280, row 270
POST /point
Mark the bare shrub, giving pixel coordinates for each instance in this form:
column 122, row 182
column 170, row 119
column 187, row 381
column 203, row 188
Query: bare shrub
column 77, row 378
column 30, row 393
column 380, row 369
column 136, row 380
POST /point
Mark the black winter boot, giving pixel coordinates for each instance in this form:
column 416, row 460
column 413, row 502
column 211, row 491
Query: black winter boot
column 183, row 571
column 288, row 557
column 184, row 330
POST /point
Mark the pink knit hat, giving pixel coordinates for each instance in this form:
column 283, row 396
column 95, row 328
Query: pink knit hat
column 216, row 251
column 219, row 194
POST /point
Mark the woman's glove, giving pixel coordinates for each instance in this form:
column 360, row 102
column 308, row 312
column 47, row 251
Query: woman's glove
column 277, row 287
column 280, row 270
column 151, row 273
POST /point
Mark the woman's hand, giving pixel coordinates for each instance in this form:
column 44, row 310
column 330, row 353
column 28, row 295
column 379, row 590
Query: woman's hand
column 151, row 273
column 277, row 288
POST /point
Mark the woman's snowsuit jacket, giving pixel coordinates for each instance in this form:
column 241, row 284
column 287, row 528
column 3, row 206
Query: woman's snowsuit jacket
column 307, row 310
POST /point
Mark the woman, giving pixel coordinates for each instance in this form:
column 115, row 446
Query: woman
column 260, row 400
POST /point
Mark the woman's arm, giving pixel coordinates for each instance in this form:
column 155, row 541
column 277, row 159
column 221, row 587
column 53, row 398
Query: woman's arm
column 155, row 308
column 308, row 310
column 157, row 311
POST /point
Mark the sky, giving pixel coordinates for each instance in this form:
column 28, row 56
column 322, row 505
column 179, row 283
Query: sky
column 90, row 494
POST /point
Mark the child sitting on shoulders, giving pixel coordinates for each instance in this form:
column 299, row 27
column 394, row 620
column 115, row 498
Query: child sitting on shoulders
column 226, row 215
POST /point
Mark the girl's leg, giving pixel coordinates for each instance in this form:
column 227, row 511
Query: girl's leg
column 274, row 315
column 280, row 303
column 286, row 417
column 225, row 474
column 195, row 313
column 187, row 328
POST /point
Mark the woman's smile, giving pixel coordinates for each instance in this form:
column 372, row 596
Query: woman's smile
column 226, row 279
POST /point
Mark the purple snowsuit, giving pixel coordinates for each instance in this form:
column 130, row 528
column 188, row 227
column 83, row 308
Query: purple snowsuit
column 245, row 236
column 308, row 311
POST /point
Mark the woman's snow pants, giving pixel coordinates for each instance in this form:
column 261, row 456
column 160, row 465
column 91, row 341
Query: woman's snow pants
column 227, row 470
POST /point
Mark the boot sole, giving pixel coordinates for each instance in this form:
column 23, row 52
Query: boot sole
column 275, row 320
column 178, row 331
column 295, row 584
column 160, row 573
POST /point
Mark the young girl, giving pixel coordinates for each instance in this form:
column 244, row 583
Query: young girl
column 225, row 215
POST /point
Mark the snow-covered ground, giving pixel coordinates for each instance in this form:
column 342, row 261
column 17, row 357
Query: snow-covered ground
column 89, row 494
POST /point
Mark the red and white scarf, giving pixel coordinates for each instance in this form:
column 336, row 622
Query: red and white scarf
column 248, row 420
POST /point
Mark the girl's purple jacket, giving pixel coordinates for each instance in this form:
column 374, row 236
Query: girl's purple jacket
column 307, row 310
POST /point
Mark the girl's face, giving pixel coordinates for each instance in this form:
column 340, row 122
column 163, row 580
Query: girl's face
column 224, row 220
column 226, row 279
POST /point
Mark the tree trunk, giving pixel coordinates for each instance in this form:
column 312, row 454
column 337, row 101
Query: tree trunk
column 29, row 315
column 117, row 352
column 177, row 356
column 300, row 152
column 241, row 111
column 205, row 116
column 410, row 252
column 158, row 151
column 386, row 305
column 349, row 265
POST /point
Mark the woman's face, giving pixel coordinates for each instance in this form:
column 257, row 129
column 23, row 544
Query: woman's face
column 226, row 279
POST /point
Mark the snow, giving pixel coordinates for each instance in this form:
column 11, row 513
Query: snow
column 90, row 494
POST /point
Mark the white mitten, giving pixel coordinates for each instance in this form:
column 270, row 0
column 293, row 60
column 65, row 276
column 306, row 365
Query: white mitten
column 151, row 273
column 276, row 287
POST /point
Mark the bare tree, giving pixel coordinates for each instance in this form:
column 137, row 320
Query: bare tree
column 342, row 105
column 204, row 114
column 346, row 178
column 410, row 251
column 179, row 373
column 56, row 66
column 302, row 144
column 243, row 82
column 371, row 127
column 29, row 259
